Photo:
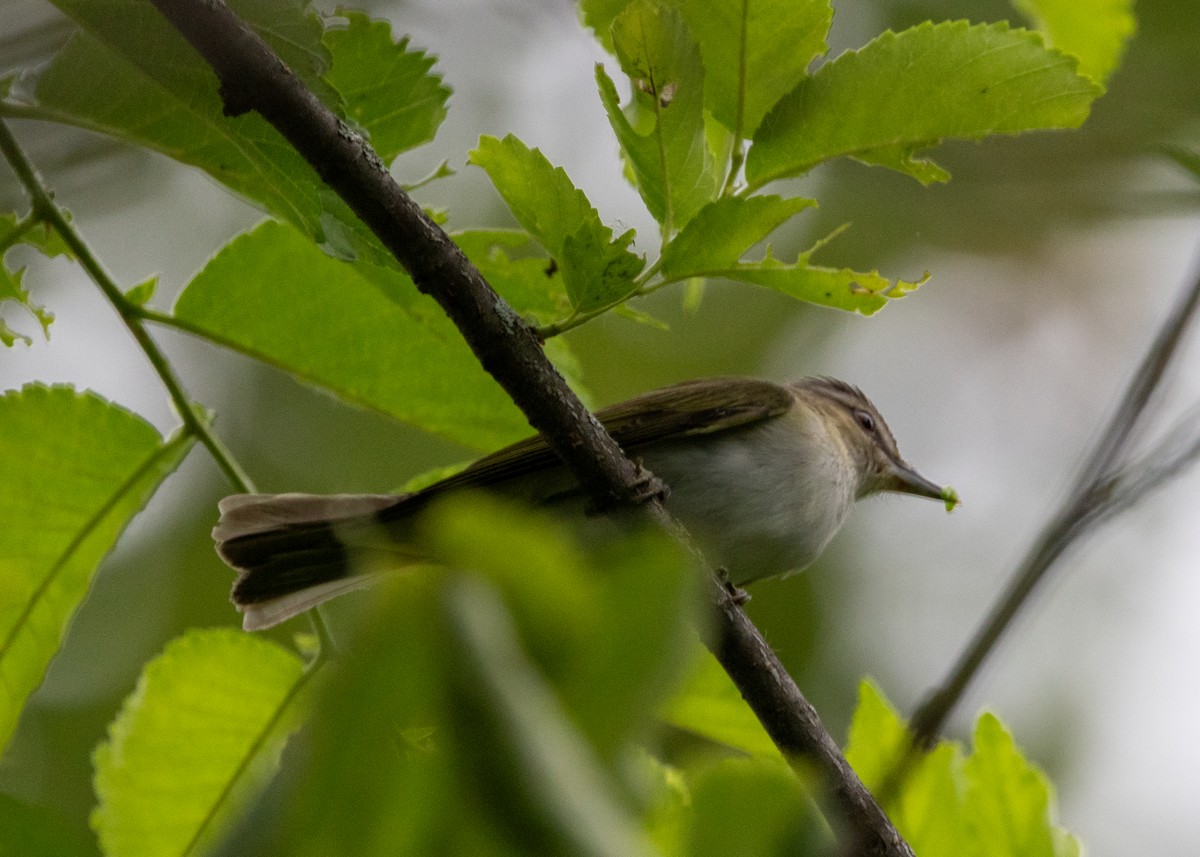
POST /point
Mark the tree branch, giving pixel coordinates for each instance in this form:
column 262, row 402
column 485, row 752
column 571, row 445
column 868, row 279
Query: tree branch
column 1106, row 486
column 253, row 78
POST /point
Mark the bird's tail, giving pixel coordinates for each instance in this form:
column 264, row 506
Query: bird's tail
column 295, row 551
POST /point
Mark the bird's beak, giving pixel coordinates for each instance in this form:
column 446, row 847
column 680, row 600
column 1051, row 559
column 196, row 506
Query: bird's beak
column 904, row 480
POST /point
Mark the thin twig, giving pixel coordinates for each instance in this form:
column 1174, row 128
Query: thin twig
column 42, row 201
column 1103, row 489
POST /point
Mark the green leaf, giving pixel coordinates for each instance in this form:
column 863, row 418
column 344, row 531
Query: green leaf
column 515, row 267
column 662, row 135
column 929, row 809
column 389, row 90
column 30, row 831
column 12, row 291
column 131, row 76
column 519, row 681
column 992, row 803
column 709, row 704
column 596, row 268
column 598, row 274
column 362, row 332
column 841, row 288
column 202, row 731
column 1009, row 801
column 723, row 230
column 754, row 51
column 1096, row 33
column 140, row 294
column 908, row 91
column 773, row 812
column 599, row 15
column 73, row 470
column 16, row 231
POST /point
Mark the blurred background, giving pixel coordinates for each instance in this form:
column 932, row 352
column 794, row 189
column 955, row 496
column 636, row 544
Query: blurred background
column 1054, row 258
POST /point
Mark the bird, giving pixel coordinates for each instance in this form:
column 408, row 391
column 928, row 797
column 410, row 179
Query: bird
column 761, row 475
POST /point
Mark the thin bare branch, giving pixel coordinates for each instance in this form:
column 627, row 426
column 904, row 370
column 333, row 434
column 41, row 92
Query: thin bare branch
column 1106, row 486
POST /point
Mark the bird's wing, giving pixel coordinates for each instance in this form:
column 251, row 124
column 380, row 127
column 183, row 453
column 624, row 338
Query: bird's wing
column 706, row 406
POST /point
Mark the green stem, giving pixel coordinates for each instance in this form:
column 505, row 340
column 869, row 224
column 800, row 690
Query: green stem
column 46, row 209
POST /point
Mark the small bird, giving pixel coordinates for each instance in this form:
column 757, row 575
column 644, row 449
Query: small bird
column 762, row 475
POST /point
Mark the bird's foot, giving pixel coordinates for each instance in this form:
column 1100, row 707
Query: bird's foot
column 734, row 593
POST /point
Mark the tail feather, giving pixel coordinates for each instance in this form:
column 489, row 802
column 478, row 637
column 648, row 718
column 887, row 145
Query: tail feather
column 295, row 551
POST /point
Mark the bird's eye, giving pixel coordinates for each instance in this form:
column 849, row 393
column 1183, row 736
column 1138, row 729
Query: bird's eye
column 865, row 420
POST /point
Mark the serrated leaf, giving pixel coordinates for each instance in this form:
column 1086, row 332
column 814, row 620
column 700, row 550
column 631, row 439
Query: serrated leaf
column 16, row 231
column 907, row 91
column 754, row 51
column 596, row 268
column 1096, row 33
column 11, row 291
column 1009, row 801
column 74, row 469
column 929, row 808
column 598, row 274
column 131, row 76
column 541, row 196
column 599, row 15
column 992, row 803
column 662, row 133
column 723, row 230
column 364, row 333
column 388, row 88
column 200, row 734
column 41, row 236
column 864, row 292
column 707, row 703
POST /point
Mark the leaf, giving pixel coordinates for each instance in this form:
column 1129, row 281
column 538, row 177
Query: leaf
column 73, row 470
column 131, row 76
column 202, row 731
column 1096, row 33
column 754, row 51
column 140, row 294
column 840, row 288
column 362, row 332
column 599, row 15
column 11, row 290
column 908, row 91
column 31, row 831
column 1009, row 800
column 518, row 681
column 993, row 803
column 14, row 232
column 709, row 704
column 723, row 230
column 662, row 136
column 773, row 813
column 598, row 274
column 514, row 266
column 596, row 268
column 389, row 90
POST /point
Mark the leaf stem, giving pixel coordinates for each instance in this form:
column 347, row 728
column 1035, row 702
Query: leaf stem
column 42, row 200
